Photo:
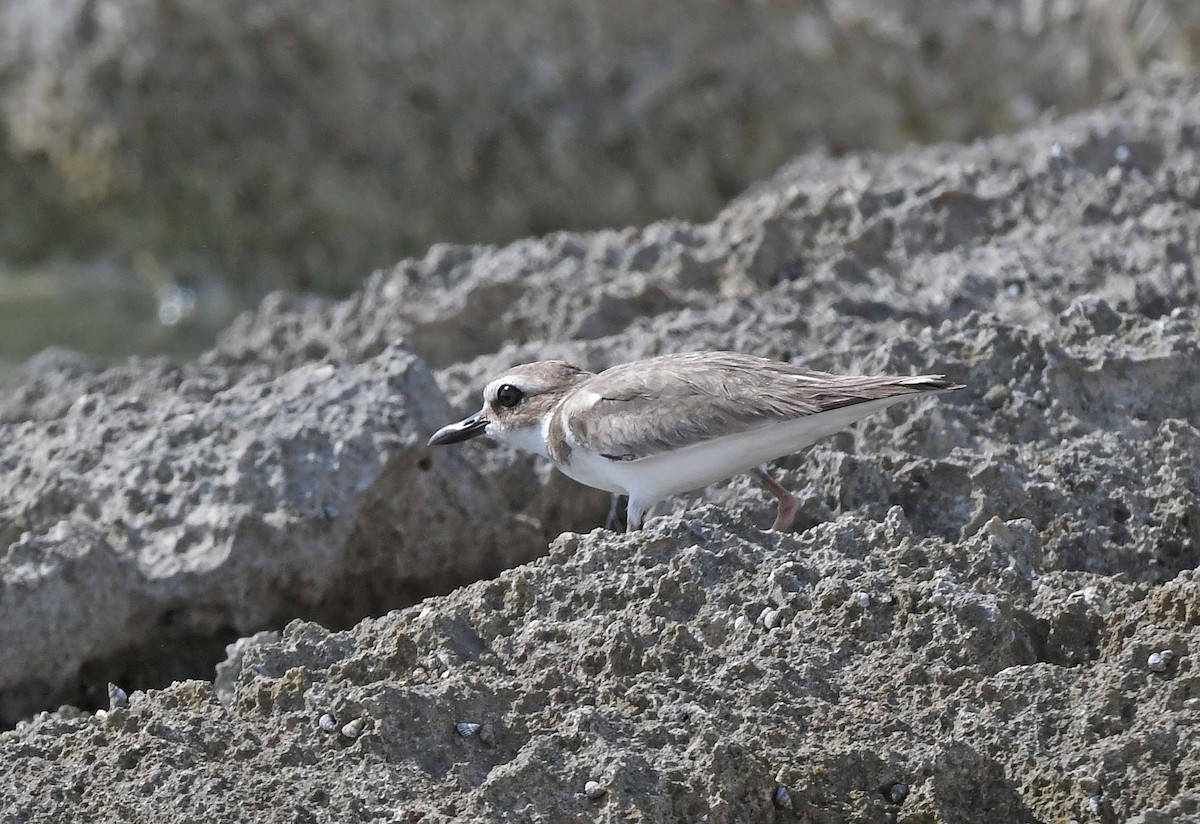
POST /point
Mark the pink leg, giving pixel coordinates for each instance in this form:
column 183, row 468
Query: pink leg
column 787, row 501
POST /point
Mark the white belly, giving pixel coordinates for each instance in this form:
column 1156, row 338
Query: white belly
column 693, row 467
column 592, row 470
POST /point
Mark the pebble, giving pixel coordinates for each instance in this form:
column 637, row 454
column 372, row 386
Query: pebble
column 1159, row 661
column 327, row 723
column 896, row 793
column 353, row 729
column 782, row 798
column 486, row 735
column 1095, row 804
column 997, row 396
column 1089, row 595
column 594, row 789
column 1121, row 154
column 862, row 599
column 769, row 617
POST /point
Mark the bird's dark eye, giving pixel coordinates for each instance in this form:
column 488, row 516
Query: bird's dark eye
column 509, row 396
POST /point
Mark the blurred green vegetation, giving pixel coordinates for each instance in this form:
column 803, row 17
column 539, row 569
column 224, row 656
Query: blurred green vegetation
column 111, row 315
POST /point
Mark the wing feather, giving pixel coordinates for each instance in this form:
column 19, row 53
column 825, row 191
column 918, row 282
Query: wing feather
column 647, row 407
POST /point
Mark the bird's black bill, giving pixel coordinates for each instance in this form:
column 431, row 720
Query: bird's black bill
column 464, row 430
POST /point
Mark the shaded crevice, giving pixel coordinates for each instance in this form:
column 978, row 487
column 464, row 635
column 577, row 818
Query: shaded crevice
column 172, row 655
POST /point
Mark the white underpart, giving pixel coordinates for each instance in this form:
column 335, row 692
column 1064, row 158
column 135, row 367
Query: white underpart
column 526, row 438
column 649, row 480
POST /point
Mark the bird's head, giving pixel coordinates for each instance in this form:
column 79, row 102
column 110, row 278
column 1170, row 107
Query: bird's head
column 517, row 406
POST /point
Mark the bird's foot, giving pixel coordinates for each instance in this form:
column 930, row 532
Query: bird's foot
column 788, row 505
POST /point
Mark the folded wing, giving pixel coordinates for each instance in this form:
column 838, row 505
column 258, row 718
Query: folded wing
column 644, row 408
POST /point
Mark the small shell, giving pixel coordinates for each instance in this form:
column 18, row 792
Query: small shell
column 740, row 623
column 594, row 790
column 769, row 617
column 782, row 798
column 1095, row 804
column 1159, row 661
column 465, row 728
column 353, row 729
column 862, row 599
column 117, row 697
column 327, row 723
column 1121, row 154
column 896, row 793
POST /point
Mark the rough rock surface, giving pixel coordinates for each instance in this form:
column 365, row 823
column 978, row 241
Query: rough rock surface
column 989, row 610
column 828, row 256
column 306, row 142
column 159, row 508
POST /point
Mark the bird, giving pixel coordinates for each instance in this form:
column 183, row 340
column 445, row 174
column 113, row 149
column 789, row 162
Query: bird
column 653, row 428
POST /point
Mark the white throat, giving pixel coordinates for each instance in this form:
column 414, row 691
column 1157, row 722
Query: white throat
column 526, row 438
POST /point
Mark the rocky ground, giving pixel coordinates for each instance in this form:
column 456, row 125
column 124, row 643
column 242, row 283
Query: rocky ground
column 989, row 609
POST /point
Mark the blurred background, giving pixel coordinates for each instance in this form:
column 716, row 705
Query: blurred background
column 164, row 163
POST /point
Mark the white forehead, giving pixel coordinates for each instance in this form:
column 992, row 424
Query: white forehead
column 489, row 391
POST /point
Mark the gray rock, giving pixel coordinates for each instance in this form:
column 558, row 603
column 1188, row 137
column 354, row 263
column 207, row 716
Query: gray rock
column 641, row 677
column 157, row 514
column 1023, row 555
column 322, row 142
column 228, row 670
column 867, row 249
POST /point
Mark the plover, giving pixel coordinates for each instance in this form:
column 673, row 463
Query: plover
column 659, row 427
